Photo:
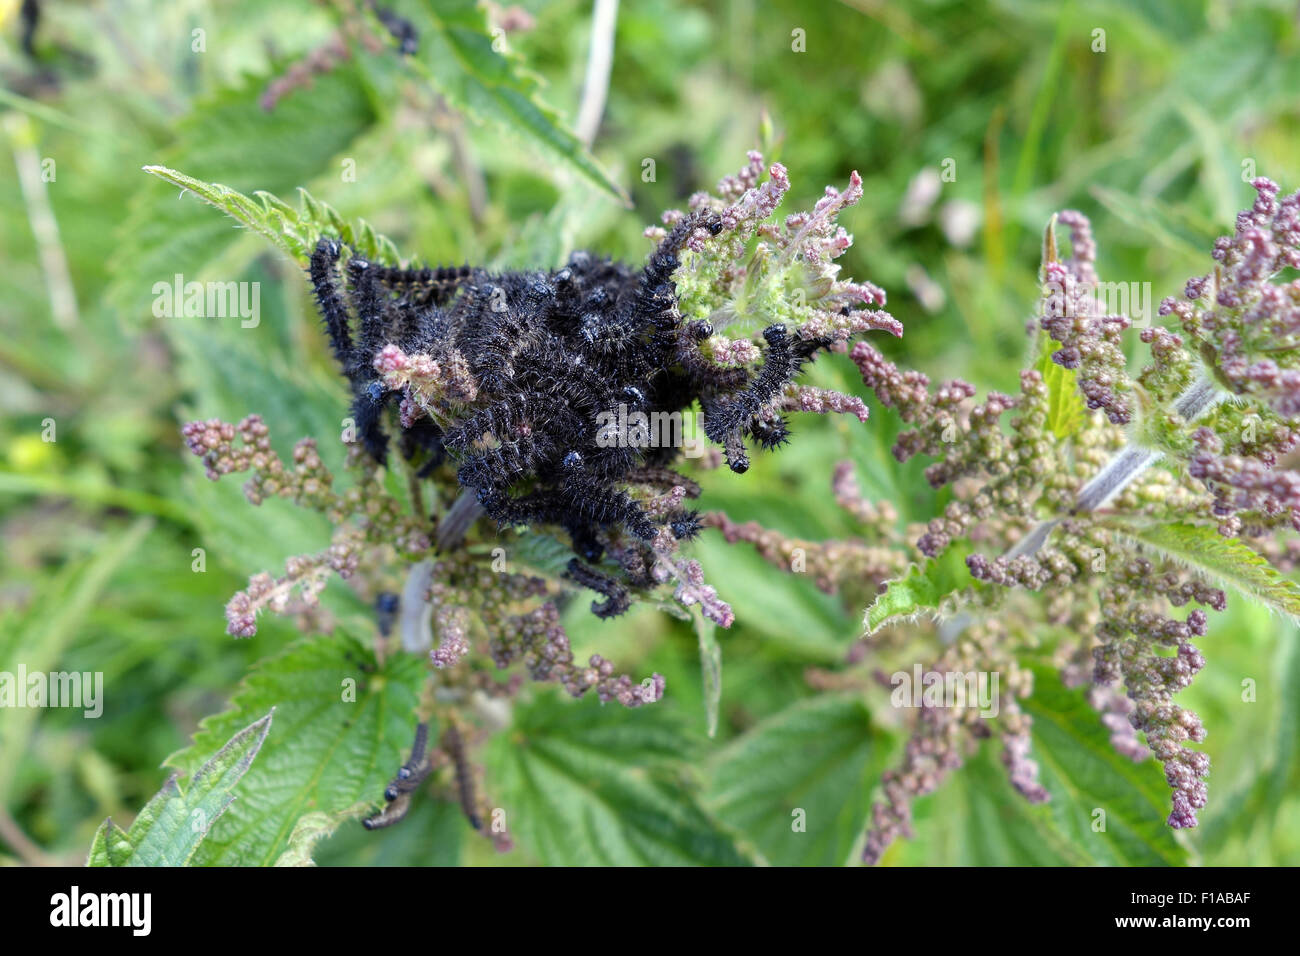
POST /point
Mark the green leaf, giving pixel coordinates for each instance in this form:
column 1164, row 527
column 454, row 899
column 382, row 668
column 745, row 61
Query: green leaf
column 798, row 784
column 342, row 728
column 311, row 829
column 1066, row 412
column 294, row 231
column 93, row 491
column 433, row 833
column 977, row 819
column 787, row 610
column 111, row 846
column 585, row 785
column 1084, row 773
column 542, row 553
column 710, row 668
column 171, row 826
column 922, row 591
column 1223, row 560
column 459, row 57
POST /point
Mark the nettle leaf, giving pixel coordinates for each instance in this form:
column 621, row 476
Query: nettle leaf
column 311, row 829
column 542, row 553
column 1066, row 411
column 1085, row 774
column 295, row 231
column 803, row 622
column 471, row 68
column 433, row 833
column 977, row 819
column 585, row 785
column 798, row 784
column 343, row 725
column 169, row 829
column 923, row 591
column 1223, row 560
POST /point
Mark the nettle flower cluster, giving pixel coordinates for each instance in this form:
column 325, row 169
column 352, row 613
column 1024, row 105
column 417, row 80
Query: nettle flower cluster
column 762, row 268
column 1055, row 493
column 1247, row 327
column 493, row 395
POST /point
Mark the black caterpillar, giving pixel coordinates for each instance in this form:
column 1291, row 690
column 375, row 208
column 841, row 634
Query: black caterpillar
column 548, row 353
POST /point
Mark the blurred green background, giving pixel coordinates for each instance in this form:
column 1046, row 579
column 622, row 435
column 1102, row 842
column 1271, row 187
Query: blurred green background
column 1149, row 116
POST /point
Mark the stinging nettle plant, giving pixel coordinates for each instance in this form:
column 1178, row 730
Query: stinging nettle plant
column 1084, row 512
column 495, row 392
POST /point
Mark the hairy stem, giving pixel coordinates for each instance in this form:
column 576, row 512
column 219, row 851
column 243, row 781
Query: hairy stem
column 1118, row 473
column 1123, row 469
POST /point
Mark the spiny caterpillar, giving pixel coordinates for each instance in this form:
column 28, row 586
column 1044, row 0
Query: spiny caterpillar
column 520, row 367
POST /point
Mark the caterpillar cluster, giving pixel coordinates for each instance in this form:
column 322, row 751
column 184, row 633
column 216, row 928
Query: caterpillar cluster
column 547, row 353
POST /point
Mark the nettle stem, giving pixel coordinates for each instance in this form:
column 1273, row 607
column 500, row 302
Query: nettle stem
column 1133, row 459
column 1117, row 475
